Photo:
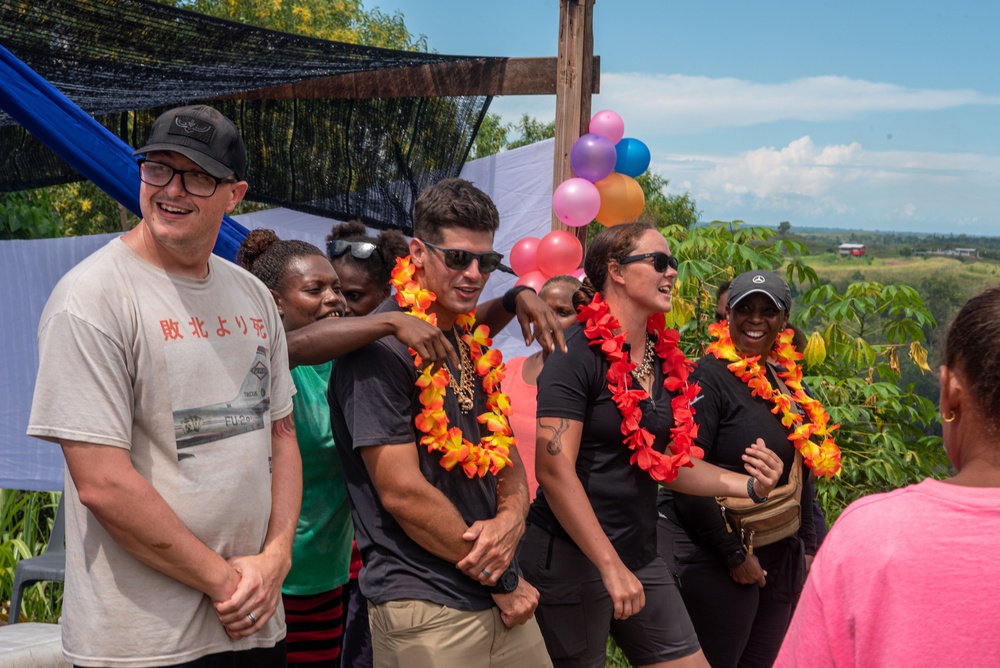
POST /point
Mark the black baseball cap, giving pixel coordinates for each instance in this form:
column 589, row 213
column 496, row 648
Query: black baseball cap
column 204, row 136
column 765, row 282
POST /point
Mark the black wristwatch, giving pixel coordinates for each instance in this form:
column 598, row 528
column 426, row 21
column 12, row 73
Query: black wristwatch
column 506, row 584
column 736, row 559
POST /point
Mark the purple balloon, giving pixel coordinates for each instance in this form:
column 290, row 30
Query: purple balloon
column 593, row 157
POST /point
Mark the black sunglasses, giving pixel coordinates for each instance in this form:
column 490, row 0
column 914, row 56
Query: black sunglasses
column 458, row 259
column 660, row 260
column 362, row 250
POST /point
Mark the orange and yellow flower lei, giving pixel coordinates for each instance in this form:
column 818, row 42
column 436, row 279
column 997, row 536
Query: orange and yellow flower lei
column 492, row 452
column 823, row 458
column 599, row 326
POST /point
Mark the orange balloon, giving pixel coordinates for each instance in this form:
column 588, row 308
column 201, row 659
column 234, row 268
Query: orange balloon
column 622, row 200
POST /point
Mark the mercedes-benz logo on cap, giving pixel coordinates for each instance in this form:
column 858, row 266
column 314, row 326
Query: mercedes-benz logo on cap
column 758, row 279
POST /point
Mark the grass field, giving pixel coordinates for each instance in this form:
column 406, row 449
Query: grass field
column 971, row 276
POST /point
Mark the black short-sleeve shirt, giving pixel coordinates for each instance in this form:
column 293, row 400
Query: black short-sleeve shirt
column 373, row 401
column 730, row 419
column 574, row 385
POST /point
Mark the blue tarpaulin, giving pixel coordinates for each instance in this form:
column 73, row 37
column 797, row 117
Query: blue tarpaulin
column 82, row 142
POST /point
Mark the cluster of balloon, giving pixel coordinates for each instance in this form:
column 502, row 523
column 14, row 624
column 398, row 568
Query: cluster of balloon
column 604, row 189
column 537, row 260
column 605, row 165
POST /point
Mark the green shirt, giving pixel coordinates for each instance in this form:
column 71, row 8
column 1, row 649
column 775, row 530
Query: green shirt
column 322, row 551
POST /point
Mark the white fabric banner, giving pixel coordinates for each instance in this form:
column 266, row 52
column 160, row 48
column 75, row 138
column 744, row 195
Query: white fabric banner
column 518, row 181
column 28, row 272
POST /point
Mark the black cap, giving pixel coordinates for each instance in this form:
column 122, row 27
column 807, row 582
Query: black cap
column 765, row 282
column 204, row 136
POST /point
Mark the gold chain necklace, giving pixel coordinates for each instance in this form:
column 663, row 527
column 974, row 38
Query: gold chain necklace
column 463, row 387
column 649, row 356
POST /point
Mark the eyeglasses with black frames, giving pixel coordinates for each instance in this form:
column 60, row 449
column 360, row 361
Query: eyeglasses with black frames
column 361, row 250
column 661, row 260
column 195, row 182
column 458, row 259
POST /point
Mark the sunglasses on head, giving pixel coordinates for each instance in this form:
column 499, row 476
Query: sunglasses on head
column 660, row 260
column 362, row 250
column 458, row 259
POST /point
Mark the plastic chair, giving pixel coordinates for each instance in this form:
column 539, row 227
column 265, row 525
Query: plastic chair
column 48, row 566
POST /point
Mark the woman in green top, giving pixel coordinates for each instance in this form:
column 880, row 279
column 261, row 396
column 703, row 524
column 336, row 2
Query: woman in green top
column 306, row 289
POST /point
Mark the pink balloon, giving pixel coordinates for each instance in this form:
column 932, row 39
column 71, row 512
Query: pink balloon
column 579, row 274
column 534, row 280
column 609, row 124
column 575, row 202
column 523, row 256
column 559, row 252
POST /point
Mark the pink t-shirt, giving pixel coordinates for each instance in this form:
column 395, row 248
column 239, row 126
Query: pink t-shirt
column 907, row 578
column 523, row 401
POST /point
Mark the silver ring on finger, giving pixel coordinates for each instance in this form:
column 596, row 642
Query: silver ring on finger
column 253, row 620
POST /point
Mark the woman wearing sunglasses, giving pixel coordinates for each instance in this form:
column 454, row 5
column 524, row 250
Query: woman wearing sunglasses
column 614, row 422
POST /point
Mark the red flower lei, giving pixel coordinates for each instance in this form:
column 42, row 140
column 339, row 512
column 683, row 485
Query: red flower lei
column 599, row 326
column 493, row 450
column 823, row 458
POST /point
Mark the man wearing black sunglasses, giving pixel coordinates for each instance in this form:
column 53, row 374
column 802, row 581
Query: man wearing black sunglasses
column 432, row 537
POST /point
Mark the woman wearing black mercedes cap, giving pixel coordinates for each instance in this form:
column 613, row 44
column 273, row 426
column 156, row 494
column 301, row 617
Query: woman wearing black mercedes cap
column 740, row 596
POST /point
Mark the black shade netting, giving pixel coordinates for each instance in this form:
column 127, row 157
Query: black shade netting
column 126, row 61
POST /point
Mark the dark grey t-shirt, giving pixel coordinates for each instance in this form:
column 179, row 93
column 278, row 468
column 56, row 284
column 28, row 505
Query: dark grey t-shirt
column 574, row 385
column 373, row 402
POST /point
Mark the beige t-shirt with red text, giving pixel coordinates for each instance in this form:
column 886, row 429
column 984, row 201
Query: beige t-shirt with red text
column 187, row 375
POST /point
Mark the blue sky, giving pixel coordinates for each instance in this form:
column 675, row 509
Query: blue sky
column 863, row 115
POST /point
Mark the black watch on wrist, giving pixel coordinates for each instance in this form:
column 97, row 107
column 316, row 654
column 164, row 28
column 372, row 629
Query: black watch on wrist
column 506, row 584
column 736, row 559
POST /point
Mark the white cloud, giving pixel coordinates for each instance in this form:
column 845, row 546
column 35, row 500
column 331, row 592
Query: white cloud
column 839, row 185
column 689, row 104
column 664, row 104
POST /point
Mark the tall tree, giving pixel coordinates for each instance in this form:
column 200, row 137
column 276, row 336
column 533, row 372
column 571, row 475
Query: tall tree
column 338, row 20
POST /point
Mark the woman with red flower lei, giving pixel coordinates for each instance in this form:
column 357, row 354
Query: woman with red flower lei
column 740, row 596
column 614, row 422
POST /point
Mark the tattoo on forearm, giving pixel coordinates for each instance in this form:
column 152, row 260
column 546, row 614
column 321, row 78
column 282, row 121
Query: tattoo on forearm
column 283, row 428
column 554, row 444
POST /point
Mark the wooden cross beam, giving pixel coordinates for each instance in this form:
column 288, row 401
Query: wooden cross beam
column 486, row 76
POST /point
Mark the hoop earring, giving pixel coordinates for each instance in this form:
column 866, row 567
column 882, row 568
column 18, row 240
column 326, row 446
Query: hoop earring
column 949, row 419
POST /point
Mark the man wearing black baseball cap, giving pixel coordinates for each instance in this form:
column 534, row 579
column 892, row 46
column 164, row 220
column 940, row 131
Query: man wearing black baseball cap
column 163, row 374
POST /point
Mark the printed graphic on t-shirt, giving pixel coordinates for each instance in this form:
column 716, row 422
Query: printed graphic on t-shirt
column 245, row 412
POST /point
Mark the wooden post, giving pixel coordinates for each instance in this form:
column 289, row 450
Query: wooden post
column 574, row 82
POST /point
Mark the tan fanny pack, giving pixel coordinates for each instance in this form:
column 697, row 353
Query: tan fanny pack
column 760, row 524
